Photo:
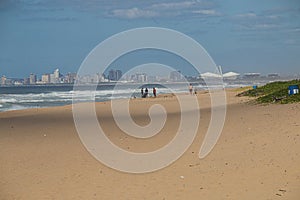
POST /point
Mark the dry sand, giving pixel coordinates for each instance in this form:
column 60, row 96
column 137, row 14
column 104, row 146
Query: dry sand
column 256, row 157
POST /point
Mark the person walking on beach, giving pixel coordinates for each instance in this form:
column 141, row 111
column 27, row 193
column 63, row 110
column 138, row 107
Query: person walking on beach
column 142, row 92
column 191, row 89
column 154, row 92
column 146, row 92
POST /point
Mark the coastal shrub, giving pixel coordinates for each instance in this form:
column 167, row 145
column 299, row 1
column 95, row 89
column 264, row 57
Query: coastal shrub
column 274, row 92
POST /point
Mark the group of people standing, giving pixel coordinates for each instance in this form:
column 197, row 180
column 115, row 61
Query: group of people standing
column 146, row 92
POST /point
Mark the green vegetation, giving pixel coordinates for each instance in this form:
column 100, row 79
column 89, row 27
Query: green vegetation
column 276, row 92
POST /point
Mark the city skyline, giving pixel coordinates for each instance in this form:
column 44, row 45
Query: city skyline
column 134, row 76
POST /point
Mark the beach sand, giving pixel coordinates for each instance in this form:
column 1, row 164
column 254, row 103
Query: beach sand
column 256, row 157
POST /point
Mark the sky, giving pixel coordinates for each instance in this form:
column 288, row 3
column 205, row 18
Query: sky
column 38, row 36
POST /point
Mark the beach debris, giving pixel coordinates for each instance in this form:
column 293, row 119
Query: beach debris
column 182, row 177
column 193, row 165
column 275, row 98
column 45, row 135
column 282, row 192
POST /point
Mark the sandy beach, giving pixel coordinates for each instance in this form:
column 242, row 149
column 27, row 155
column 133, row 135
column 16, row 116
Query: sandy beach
column 256, row 157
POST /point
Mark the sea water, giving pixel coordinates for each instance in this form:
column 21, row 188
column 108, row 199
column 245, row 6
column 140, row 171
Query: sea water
column 37, row 96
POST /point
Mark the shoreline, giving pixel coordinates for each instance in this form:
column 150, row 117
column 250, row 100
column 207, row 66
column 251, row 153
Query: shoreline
column 159, row 96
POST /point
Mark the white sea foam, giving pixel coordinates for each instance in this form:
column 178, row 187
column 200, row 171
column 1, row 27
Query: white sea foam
column 45, row 99
column 31, row 101
column 19, row 107
column 8, row 100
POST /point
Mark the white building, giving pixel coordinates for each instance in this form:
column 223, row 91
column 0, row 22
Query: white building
column 45, row 78
column 56, row 74
column 231, row 76
column 55, row 77
column 251, row 75
column 210, row 75
column 139, row 77
column 3, row 80
column 32, row 79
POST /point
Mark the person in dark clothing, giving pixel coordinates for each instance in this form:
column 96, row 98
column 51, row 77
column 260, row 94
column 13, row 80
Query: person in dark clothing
column 154, row 92
column 145, row 94
column 191, row 88
column 142, row 92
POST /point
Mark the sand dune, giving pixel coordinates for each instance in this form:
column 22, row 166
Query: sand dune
column 256, row 157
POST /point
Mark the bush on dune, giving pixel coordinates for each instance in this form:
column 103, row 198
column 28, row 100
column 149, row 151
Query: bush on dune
column 274, row 92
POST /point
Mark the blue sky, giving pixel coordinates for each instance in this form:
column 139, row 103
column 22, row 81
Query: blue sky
column 244, row 36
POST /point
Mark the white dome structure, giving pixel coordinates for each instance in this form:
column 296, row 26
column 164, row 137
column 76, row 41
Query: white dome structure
column 231, row 75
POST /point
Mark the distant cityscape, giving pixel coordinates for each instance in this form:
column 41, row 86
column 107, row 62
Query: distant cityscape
column 113, row 75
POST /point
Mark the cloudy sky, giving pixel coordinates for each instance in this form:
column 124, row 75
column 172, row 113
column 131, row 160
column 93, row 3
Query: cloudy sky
column 243, row 36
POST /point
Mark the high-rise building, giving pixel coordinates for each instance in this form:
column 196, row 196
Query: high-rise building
column 3, row 80
column 32, row 79
column 152, row 78
column 141, row 77
column 26, row 81
column 56, row 74
column 55, row 77
column 112, row 75
column 175, row 76
column 118, row 74
column 70, row 77
column 46, row 78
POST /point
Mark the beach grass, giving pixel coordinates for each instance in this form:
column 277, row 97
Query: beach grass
column 275, row 92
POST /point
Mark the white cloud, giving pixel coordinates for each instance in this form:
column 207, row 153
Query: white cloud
column 272, row 16
column 173, row 5
column 265, row 26
column 258, row 27
column 295, row 30
column 134, row 13
column 166, row 9
column 206, row 12
column 246, row 15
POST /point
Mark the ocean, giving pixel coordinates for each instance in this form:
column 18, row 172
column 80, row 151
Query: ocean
column 38, row 96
